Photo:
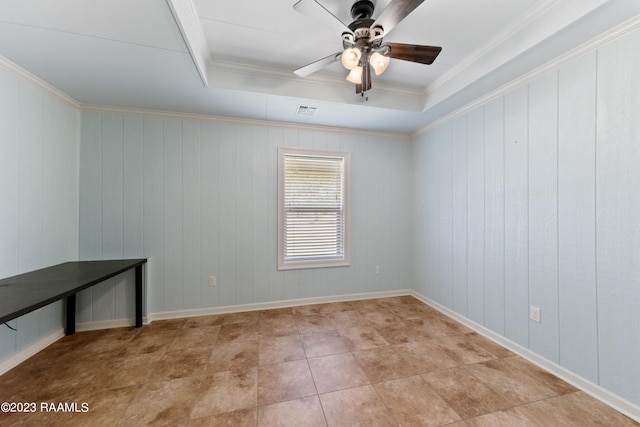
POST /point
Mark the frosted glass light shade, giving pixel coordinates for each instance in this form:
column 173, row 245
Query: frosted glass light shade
column 351, row 58
column 379, row 63
column 355, row 76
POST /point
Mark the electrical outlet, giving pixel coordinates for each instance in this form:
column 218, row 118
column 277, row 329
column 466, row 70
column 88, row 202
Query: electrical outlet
column 377, row 269
column 212, row 280
column 534, row 313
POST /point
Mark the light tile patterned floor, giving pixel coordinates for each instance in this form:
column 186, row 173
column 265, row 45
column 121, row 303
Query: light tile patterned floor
column 383, row 362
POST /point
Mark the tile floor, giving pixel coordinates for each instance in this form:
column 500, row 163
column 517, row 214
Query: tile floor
column 383, row 362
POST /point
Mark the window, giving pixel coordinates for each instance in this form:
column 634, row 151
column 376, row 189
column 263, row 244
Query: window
column 313, row 208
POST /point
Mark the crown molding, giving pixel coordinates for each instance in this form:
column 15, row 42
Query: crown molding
column 537, row 25
column 597, row 42
column 492, row 44
column 228, row 119
column 37, row 82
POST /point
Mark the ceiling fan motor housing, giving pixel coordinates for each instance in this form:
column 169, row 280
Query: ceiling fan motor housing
column 362, row 12
column 362, row 9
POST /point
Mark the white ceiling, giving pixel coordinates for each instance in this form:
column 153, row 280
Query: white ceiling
column 236, row 59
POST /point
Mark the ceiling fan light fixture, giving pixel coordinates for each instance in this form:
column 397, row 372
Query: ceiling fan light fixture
column 379, row 62
column 351, row 58
column 355, row 76
column 362, row 45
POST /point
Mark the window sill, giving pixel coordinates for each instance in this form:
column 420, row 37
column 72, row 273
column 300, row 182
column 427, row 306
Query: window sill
column 299, row 265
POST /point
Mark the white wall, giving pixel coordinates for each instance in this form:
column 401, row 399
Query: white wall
column 198, row 197
column 39, row 143
column 534, row 199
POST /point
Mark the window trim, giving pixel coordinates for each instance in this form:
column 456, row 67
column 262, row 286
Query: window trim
column 346, row 260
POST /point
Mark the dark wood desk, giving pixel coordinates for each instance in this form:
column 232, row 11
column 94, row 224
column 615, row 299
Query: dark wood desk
column 26, row 292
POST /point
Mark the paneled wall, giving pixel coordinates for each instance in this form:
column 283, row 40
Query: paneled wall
column 39, row 142
column 534, row 199
column 198, row 197
column 530, row 199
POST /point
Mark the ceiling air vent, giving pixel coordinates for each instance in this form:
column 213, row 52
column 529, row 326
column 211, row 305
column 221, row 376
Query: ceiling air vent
column 304, row 110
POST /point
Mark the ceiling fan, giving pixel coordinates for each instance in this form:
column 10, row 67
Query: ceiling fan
column 362, row 40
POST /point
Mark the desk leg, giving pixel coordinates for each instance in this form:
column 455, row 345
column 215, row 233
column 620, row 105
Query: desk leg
column 71, row 315
column 138, row 296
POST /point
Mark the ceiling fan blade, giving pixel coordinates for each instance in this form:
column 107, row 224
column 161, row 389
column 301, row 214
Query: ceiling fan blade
column 413, row 52
column 317, row 11
column 317, row 65
column 395, row 12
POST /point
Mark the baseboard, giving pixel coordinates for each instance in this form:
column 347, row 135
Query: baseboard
column 178, row 314
column 107, row 324
column 22, row 355
column 165, row 315
column 607, row 397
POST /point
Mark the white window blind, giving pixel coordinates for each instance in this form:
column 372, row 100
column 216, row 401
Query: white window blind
column 313, row 209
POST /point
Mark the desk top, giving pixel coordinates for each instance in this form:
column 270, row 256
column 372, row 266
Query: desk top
column 26, row 292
